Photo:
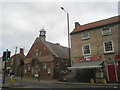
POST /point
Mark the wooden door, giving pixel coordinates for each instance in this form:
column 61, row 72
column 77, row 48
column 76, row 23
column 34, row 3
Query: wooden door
column 112, row 75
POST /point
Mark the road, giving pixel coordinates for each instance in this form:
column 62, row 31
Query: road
column 44, row 85
column 27, row 84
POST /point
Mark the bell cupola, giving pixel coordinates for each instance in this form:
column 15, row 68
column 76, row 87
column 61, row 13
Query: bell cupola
column 42, row 35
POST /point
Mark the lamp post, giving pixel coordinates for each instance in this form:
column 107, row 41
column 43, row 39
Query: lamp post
column 68, row 34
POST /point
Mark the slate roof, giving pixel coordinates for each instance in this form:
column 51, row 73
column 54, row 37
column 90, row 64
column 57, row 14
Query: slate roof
column 97, row 24
column 57, row 50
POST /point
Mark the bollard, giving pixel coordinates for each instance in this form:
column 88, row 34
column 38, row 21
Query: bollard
column 92, row 81
column 104, row 81
column 12, row 81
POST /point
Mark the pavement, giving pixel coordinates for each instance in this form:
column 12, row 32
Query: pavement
column 8, row 84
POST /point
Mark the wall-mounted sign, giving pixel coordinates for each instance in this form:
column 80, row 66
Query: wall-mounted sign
column 117, row 57
column 88, row 58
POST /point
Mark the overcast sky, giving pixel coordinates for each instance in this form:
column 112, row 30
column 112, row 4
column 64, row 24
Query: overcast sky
column 21, row 21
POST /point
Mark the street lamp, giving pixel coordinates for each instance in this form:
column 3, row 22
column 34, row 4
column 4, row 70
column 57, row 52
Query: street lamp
column 68, row 33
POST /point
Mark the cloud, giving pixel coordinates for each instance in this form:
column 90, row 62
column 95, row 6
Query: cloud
column 21, row 21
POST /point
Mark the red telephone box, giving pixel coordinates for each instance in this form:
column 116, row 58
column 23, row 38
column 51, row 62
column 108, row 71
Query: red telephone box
column 112, row 75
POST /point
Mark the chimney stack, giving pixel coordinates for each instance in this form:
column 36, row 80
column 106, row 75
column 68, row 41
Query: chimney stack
column 21, row 50
column 77, row 25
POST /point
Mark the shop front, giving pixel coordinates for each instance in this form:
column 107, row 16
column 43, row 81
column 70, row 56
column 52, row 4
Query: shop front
column 85, row 75
column 113, row 70
column 88, row 70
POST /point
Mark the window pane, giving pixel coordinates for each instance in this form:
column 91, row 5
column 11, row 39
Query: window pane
column 86, row 49
column 85, row 35
column 106, row 31
column 44, row 66
column 108, row 46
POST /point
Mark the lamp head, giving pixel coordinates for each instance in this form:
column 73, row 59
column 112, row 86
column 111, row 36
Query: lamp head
column 62, row 8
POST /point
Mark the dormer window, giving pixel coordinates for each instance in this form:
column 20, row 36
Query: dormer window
column 85, row 35
column 106, row 31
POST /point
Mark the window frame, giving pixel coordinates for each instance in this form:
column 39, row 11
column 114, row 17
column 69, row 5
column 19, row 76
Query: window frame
column 44, row 66
column 83, row 49
column 85, row 37
column 112, row 46
column 107, row 33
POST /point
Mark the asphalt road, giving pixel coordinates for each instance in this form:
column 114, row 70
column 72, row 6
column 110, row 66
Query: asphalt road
column 26, row 84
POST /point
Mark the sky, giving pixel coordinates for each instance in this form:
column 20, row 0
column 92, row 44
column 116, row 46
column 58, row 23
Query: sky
column 20, row 21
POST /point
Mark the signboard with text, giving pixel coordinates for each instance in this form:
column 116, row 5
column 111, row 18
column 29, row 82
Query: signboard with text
column 88, row 58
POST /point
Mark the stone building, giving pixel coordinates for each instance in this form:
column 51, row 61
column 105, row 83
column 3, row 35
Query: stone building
column 95, row 50
column 46, row 60
column 16, row 63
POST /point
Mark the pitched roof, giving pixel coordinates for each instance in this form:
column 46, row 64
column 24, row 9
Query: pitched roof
column 97, row 24
column 58, row 50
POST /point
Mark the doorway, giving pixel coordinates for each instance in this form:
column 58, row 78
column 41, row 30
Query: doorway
column 111, row 73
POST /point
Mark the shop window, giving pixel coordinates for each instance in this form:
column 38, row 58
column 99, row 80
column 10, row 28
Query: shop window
column 85, row 35
column 86, row 49
column 108, row 47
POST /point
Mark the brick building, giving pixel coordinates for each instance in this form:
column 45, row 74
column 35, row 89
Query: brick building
column 95, row 50
column 46, row 60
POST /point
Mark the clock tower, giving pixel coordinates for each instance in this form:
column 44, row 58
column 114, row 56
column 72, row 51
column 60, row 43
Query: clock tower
column 42, row 35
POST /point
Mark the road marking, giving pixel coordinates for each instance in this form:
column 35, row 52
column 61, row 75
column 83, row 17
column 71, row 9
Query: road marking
column 115, row 87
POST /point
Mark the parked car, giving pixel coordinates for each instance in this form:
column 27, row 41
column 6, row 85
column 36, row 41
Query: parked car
column 71, row 77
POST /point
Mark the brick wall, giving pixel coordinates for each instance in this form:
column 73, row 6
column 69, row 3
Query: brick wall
column 37, row 45
column 44, row 72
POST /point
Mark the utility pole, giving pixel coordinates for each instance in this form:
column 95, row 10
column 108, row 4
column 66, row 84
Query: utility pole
column 68, row 35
